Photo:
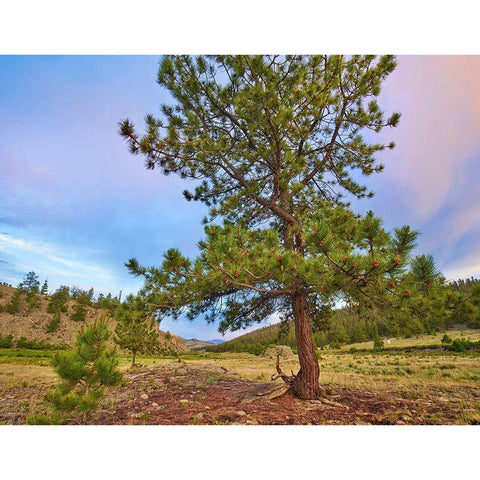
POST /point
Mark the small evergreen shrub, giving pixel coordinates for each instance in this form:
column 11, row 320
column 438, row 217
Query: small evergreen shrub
column 54, row 323
column 79, row 314
column 378, row 343
column 85, row 372
column 23, row 342
column 33, row 301
column 461, row 345
column 446, row 340
column 58, row 300
column 255, row 349
column 6, row 342
column 14, row 305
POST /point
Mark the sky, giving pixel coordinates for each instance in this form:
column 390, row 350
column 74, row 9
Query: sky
column 75, row 205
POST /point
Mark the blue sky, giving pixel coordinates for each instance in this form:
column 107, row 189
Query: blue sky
column 75, row 205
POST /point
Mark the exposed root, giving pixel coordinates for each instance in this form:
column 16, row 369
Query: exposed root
column 288, row 379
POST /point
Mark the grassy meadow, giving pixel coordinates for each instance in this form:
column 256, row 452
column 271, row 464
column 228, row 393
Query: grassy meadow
column 427, row 377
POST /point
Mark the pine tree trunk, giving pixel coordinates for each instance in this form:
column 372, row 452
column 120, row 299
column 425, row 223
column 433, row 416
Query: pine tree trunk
column 306, row 385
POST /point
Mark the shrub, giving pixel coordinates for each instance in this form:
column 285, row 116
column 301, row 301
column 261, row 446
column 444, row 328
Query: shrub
column 22, row 342
column 461, row 345
column 58, row 300
column 54, row 323
column 255, row 349
column 14, row 305
column 378, row 343
column 85, row 371
column 33, row 302
column 6, row 342
column 79, row 314
column 446, row 340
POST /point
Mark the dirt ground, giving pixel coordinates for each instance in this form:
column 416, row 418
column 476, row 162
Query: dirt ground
column 178, row 393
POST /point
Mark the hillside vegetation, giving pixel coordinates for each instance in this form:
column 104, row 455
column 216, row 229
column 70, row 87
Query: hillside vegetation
column 344, row 327
column 54, row 320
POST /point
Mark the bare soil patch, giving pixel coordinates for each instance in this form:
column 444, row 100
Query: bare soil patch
column 181, row 394
column 178, row 393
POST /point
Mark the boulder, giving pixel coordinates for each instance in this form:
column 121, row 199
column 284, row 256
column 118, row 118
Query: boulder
column 282, row 350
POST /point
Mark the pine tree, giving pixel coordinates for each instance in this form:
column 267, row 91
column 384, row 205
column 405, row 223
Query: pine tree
column 58, row 300
column 136, row 331
column 85, row 371
column 44, row 290
column 31, row 286
column 30, row 283
column 274, row 144
column 13, row 306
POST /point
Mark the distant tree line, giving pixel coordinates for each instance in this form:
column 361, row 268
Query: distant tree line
column 351, row 325
column 27, row 294
column 137, row 331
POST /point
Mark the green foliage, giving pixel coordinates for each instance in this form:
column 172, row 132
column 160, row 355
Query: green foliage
column 30, row 283
column 54, row 323
column 6, row 342
column 460, row 345
column 58, row 300
column 32, row 301
column 82, row 297
column 463, row 303
column 446, row 340
column 85, row 371
column 108, row 303
column 136, row 331
column 378, row 343
column 79, row 313
column 13, row 306
column 31, row 287
column 23, row 342
column 276, row 145
column 44, row 289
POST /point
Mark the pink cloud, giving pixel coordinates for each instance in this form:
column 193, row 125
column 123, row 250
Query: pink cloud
column 439, row 98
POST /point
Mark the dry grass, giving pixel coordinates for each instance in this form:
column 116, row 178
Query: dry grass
column 438, row 379
column 435, row 339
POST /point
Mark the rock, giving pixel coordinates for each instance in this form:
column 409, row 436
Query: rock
column 266, row 391
column 144, row 396
column 183, row 401
column 241, row 413
column 154, row 404
column 283, row 350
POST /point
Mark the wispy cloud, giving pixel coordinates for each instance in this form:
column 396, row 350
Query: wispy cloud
column 49, row 252
column 439, row 98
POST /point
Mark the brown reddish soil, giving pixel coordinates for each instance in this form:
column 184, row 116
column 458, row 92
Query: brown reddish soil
column 177, row 394
column 181, row 394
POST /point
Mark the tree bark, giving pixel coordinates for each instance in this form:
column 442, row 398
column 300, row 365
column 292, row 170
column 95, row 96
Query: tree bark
column 305, row 384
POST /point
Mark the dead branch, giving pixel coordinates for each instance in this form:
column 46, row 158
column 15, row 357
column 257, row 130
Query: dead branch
column 288, row 379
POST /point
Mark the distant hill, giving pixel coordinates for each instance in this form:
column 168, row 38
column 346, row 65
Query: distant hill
column 256, row 341
column 216, row 341
column 196, row 344
column 32, row 322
